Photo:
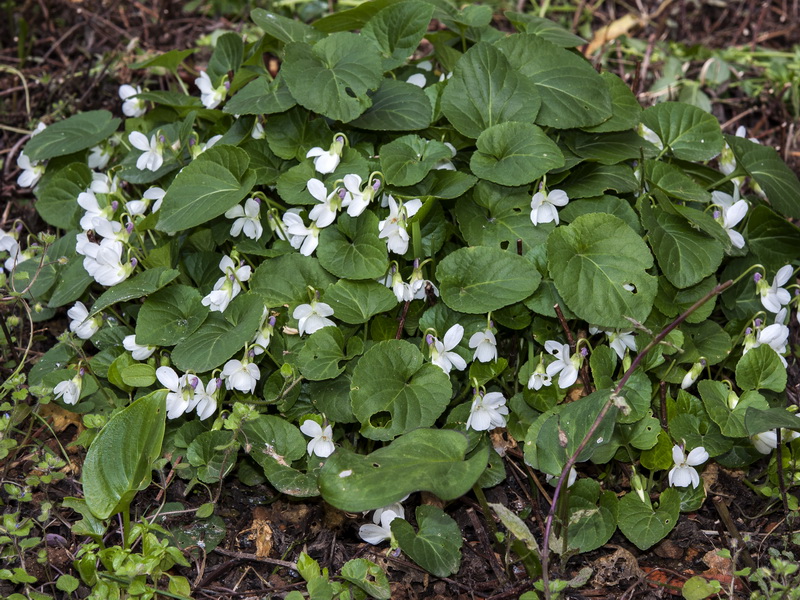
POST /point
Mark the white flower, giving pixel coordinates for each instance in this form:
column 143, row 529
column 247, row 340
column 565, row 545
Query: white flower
column 209, row 95
column 776, row 336
column 732, row 211
column 357, row 199
column 393, row 228
column 312, row 317
column 264, row 333
column 151, row 158
column 110, row 230
column 539, row 378
column 446, row 164
column 104, row 262
column 564, row 364
column 9, row 244
column 380, row 529
column 81, row 325
column 305, row 239
column 773, row 297
column 258, row 132
column 441, row 352
column 88, row 202
column 99, row 156
column 321, row 443
column 31, row 171
column 766, row 441
column 543, row 206
column 692, row 374
column 228, row 286
column 137, row 351
column 684, row 473
column 70, row 390
column 241, row 375
column 181, row 390
column 620, row 341
column 326, row 161
column 137, row 207
column 248, row 219
column 417, row 79
column 487, row 412
column 571, row 478
column 198, row 149
column 402, row 291
column 205, row 398
column 485, row 345
column 323, row 214
column 131, row 107
column 419, row 286
column 650, row 135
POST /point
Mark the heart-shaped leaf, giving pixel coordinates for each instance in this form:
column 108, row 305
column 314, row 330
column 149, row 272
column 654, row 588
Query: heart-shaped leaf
column 436, row 547
column 690, row 132
column 645, row 526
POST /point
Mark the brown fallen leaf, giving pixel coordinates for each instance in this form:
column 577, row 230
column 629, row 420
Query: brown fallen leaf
column 613, row 30
column 60, row 418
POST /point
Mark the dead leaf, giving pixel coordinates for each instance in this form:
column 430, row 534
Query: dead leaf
column 260, row 532
column 612, row 31
column 60, row 418
column 618, row 566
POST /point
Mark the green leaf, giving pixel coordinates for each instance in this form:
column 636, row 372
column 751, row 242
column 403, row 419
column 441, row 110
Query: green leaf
column 76, row 133
column 261, row 97
column 213, row 454
column 170, row 316
column 591, row 260
column 674, row 183
column 437, row 546
column 138, row 375
column 730, row 421
column 227, row 56
column 645, row 526
column 57, row 198
column 408, row 159
column 688, row 131
column 393, row 391
column 169, row 60
column 72, row 281
column 591, row 523
column 608, row 148
column 432, row 460
column 332, row 77
column 284, row 29
column 208, row 186
column 672, row 301
column 514, row 154
column 592, row 179
column 276, row 444
column 625, row 108
column 485, row 90
column 698, row 588
column 320, row 357
column 771, row 238
column 441, row 184
column 685, row 255
column 396, row 106
column 544, row 28
column 761, row 369
column 292, row 134
column 572, row 92
column 368, row 576
column 356, row 301
column 285, row 279
column 67, row 583
column 482, row 279
column 220, row 336
column 763, row 164
column 119, row 461
column 352, row 249
column 611, row 205
column 142, row 284
column 397, row 30
column 758, row 421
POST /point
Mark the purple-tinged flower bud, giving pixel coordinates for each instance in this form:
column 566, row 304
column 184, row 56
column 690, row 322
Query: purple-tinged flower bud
column 757, row 277
column 748, row 331
column 272, row 321
column 129, row 227
column 342, row 193
column 218, row 382
column 114, row 205
column 134, row 262
column 231, row 277
column 429, row 339
column 340, row 139
column 257, row 199
column 227, row 85
column 82, row 371
column 716, row 214
column 194, row 382
column 251, row 353
column 703, row 362
column 19, row 228
column 416, row 263
column 192, row 141
column 376, row 184
column 584, row 351
column 162, row 139
column 757, row 322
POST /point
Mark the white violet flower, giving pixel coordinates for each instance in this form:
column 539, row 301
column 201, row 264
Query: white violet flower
column 312, row 317
column 380, row 529
column 485, row 345
column 774, row 296
column 393, row 228
column 487, row 411
column 326, row 161
column 181, row 390
column 241, row 375
column 732, row 211
column 210, row 96
column 81, row 325
column 138, row 352
column 565, row 366
column 131, row 107
column 32, row 171
column 205, row 398
column 248, row 219
column 684, row 472
column 151, row 158
column 321, row 443
column 442, row 354
column 324, row 213
column 544, row 206
column 357, row 199
column 305, row 239
column 539, row 378
column 228, row 286
column 70, row 390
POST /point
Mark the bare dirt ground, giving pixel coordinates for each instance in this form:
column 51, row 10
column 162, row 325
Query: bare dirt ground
column 73, row 58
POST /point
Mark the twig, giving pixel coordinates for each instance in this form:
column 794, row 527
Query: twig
column 402, row 323
column 725, row 517
column 603, row 412
column 253, row 557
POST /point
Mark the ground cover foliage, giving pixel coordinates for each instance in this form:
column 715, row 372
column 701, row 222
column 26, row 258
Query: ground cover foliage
column 368, row 251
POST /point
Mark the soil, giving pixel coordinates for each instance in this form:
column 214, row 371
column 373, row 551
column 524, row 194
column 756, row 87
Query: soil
column 75, row 55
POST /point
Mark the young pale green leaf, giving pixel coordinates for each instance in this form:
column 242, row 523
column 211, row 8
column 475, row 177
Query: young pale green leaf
column 393, row 391
column 321, row 354
column 572, row 92
column 284, row 29
column 482, row 279
column 514, row 154
column 689, row 132
column 352, row 249
column 432, row 460
column 396, row 106
column 220, row 336
column 406, row 160
column 261, row 97
column 120, row 459
column 357, row 301
column 516, row 526
column 76, row 133
column 730, row 420
column 686, row 256
column 138, row 375
column 398, row 29
column 56, row 199
column 764, row 165
column 208, row 186
column 286, row 279
column 227, row 56
column 142, row 284
column 436, row 547
column 169, row 60
column 644, row 525
column 592, row 260
column 485, row 90
column 368, row 576
column 275, row 445
column 333, row 76
column 625, row 108
column 169, row 316
column 761, row 369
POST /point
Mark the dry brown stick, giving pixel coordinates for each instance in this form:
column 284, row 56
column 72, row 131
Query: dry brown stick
column 483, row 537
column 264, row 559
column 725, row 517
